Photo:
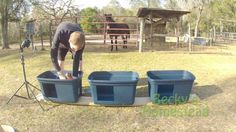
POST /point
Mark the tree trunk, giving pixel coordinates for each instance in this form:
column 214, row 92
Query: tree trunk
column 197, row 22
column 149, row 3
column 4, row 27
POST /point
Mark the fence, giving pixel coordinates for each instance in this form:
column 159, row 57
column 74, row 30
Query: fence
column 225, row 37
column 98, row 34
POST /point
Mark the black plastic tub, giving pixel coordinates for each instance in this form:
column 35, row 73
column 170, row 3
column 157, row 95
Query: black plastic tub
column 170, row 86
column 113, row 87
column 56, row 90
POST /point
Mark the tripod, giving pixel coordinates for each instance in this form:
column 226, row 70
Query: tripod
column 27, row 84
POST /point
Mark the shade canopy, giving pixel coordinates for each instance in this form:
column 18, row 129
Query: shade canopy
column 159, row 13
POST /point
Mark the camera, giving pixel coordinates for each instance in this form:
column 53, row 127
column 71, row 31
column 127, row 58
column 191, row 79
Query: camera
column 25, row 43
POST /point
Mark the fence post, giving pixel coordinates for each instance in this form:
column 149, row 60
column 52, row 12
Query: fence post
column 211, row 37
column 19, row 31
column 31, row 36
column 104, row 32
column 50, row 33
column 41, row 36
column 214, row 34
column 141, row 34
column 137, row 31
column 189, row 42
column 76, row 20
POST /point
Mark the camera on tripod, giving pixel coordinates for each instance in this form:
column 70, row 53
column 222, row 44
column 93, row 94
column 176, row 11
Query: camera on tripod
column 28, row 85
column 25, row 43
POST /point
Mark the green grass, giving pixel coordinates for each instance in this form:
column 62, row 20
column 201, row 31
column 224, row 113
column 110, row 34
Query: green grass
column 215, row 85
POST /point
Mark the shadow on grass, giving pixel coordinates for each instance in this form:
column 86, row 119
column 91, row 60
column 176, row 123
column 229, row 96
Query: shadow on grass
column 206, row 91
column 86, row 91
column 15, row 55
column 107, row 49
column 170, row 48
column 212, row 53
column 142, row 88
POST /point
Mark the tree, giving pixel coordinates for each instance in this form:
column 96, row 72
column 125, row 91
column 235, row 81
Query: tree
column 172, row 4
column 197, row 7
column 206, row 14
column 145, row 3
column 223, row 10
column 153, row 3
column 55, row 9
column 136, row 4
column 114, row 8
column 91, row 15
column 10, row 10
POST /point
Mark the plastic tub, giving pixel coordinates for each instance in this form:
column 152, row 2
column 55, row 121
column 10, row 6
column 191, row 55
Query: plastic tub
column 56, row 90
column 170, row 86
column 113, row 87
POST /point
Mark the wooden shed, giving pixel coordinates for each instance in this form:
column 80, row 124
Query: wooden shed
column 155, row 20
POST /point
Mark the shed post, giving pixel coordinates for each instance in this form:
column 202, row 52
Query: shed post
column 151, row 37
column 177, row 33
column 141, row 34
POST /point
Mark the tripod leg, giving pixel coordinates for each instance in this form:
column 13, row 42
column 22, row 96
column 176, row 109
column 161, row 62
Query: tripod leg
column 15, row 93
column 27, row 89
column 33, row 86
column 36, row 99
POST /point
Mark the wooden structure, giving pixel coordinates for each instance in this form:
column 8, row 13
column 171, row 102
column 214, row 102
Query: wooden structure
column 156, row 15
column 139, row 101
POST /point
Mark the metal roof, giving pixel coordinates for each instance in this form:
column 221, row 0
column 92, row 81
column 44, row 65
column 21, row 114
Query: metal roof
column 160, row 13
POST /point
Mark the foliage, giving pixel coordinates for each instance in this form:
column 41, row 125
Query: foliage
column 114, row 8
column 10, row 10
column 212, row 12
column 90, row 15
column 55, row 9
column 136, row 4
column 204, row 13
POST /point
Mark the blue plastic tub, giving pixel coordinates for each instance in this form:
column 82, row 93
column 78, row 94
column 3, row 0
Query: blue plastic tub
column 171, row 86
column 56, row 90
column 113, row 87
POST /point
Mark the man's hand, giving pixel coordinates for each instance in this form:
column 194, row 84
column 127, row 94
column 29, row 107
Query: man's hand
column 80, row 74
column 61, row 75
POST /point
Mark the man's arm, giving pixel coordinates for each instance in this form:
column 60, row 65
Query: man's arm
column 54, row 54
column 54, row 60
column 77, row 63
column 80, row 65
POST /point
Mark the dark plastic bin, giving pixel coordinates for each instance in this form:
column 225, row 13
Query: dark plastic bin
column 113, row 87
column 170, row 86
column 56, row 90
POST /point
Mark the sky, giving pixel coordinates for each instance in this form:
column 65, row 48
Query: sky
column 99, row 3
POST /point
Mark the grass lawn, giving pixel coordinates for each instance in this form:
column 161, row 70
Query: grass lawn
column 215, row 84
